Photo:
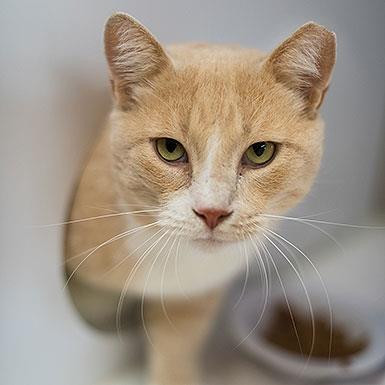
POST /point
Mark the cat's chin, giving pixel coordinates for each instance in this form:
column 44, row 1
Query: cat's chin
column 211, row 242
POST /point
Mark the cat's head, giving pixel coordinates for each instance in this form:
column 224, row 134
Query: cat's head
column 216, row 135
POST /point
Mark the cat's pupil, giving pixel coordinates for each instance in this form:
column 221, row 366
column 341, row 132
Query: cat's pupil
column 259, row 148
column 171, row 145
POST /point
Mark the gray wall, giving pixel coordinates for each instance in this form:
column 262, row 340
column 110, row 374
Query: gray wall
column 54, row 96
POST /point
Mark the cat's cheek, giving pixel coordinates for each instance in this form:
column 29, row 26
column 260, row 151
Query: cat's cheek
column 261, row 189
column 160, row 177
column 292, row 187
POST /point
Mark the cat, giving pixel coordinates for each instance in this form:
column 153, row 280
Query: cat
column 202, row 142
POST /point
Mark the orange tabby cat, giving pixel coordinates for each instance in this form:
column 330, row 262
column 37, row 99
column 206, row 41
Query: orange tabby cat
column 203, row 140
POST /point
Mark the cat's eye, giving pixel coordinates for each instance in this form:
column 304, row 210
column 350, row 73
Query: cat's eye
column 170, row 150
column 259, row 154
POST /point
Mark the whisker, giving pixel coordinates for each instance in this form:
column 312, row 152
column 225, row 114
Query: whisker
column 84, row 252
column 135, row 205
column 91, row 248
column 261, row 264
column 101, row 208
column 246, row 276
column 113, row 239
column 267, row 291
column 130, row 254
column 318, row 214
column 128, row 281
column 324, row 232
column 328, row 235
column 319, row 277
column 176, row 269
column 77, row 256
column 162, row 282
column 287, row 299
column 137, row 212
column 295, row 261
column 348, row 225
column 266, row 274
column 145, row 287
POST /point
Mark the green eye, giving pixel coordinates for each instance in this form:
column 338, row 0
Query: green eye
column 260, row 153
column 170, row 150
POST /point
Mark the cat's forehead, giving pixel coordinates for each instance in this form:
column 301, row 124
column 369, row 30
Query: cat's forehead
column 213, row 90
column 222, row 93
column 215, row 105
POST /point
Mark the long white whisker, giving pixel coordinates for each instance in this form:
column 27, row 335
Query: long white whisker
column 132, row 253
column 311, row 216
column 265, row 299
column 128, row 281
column 319, row 277
column 102, row 208
column 353, row 226
column 93, row 247
column 77, row 256
column 246, row 276
column 134, row 205
column 306, row 294
column 137, row 212
column 286, row 298
column 145, row 287
column 113, row 239
column 295, row 261
column 261, row 265
column 328, row 235
column 162, row 282
column 267, row 284
column 324, row 232
column 183, row 291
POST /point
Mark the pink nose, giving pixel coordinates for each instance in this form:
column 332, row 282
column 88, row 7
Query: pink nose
column 212, row 217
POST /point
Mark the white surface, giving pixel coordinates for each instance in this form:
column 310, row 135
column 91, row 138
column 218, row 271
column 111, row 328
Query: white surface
column 54, row 97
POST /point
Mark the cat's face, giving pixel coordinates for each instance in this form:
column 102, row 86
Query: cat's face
column 216, row 136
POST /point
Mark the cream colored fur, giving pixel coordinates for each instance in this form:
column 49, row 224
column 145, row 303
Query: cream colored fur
column 216, row 101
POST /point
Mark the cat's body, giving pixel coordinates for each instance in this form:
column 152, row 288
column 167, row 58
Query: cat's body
column 214, row 102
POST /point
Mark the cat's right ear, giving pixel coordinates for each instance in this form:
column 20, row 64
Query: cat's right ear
column 134, row 57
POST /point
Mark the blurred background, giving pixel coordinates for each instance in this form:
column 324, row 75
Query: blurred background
column 54, row 100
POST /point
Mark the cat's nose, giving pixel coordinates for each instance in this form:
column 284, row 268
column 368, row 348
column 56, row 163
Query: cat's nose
column 212, row 217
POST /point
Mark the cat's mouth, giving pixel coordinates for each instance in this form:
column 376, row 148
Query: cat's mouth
column 212, row 239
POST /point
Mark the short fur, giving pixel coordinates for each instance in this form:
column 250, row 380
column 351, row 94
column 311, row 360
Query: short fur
column 216, row 101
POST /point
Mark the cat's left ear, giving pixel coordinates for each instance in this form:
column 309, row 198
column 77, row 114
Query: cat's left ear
column 134, row 57
column 304, row 63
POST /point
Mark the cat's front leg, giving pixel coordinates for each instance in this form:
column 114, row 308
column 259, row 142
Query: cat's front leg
column 176, row 337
